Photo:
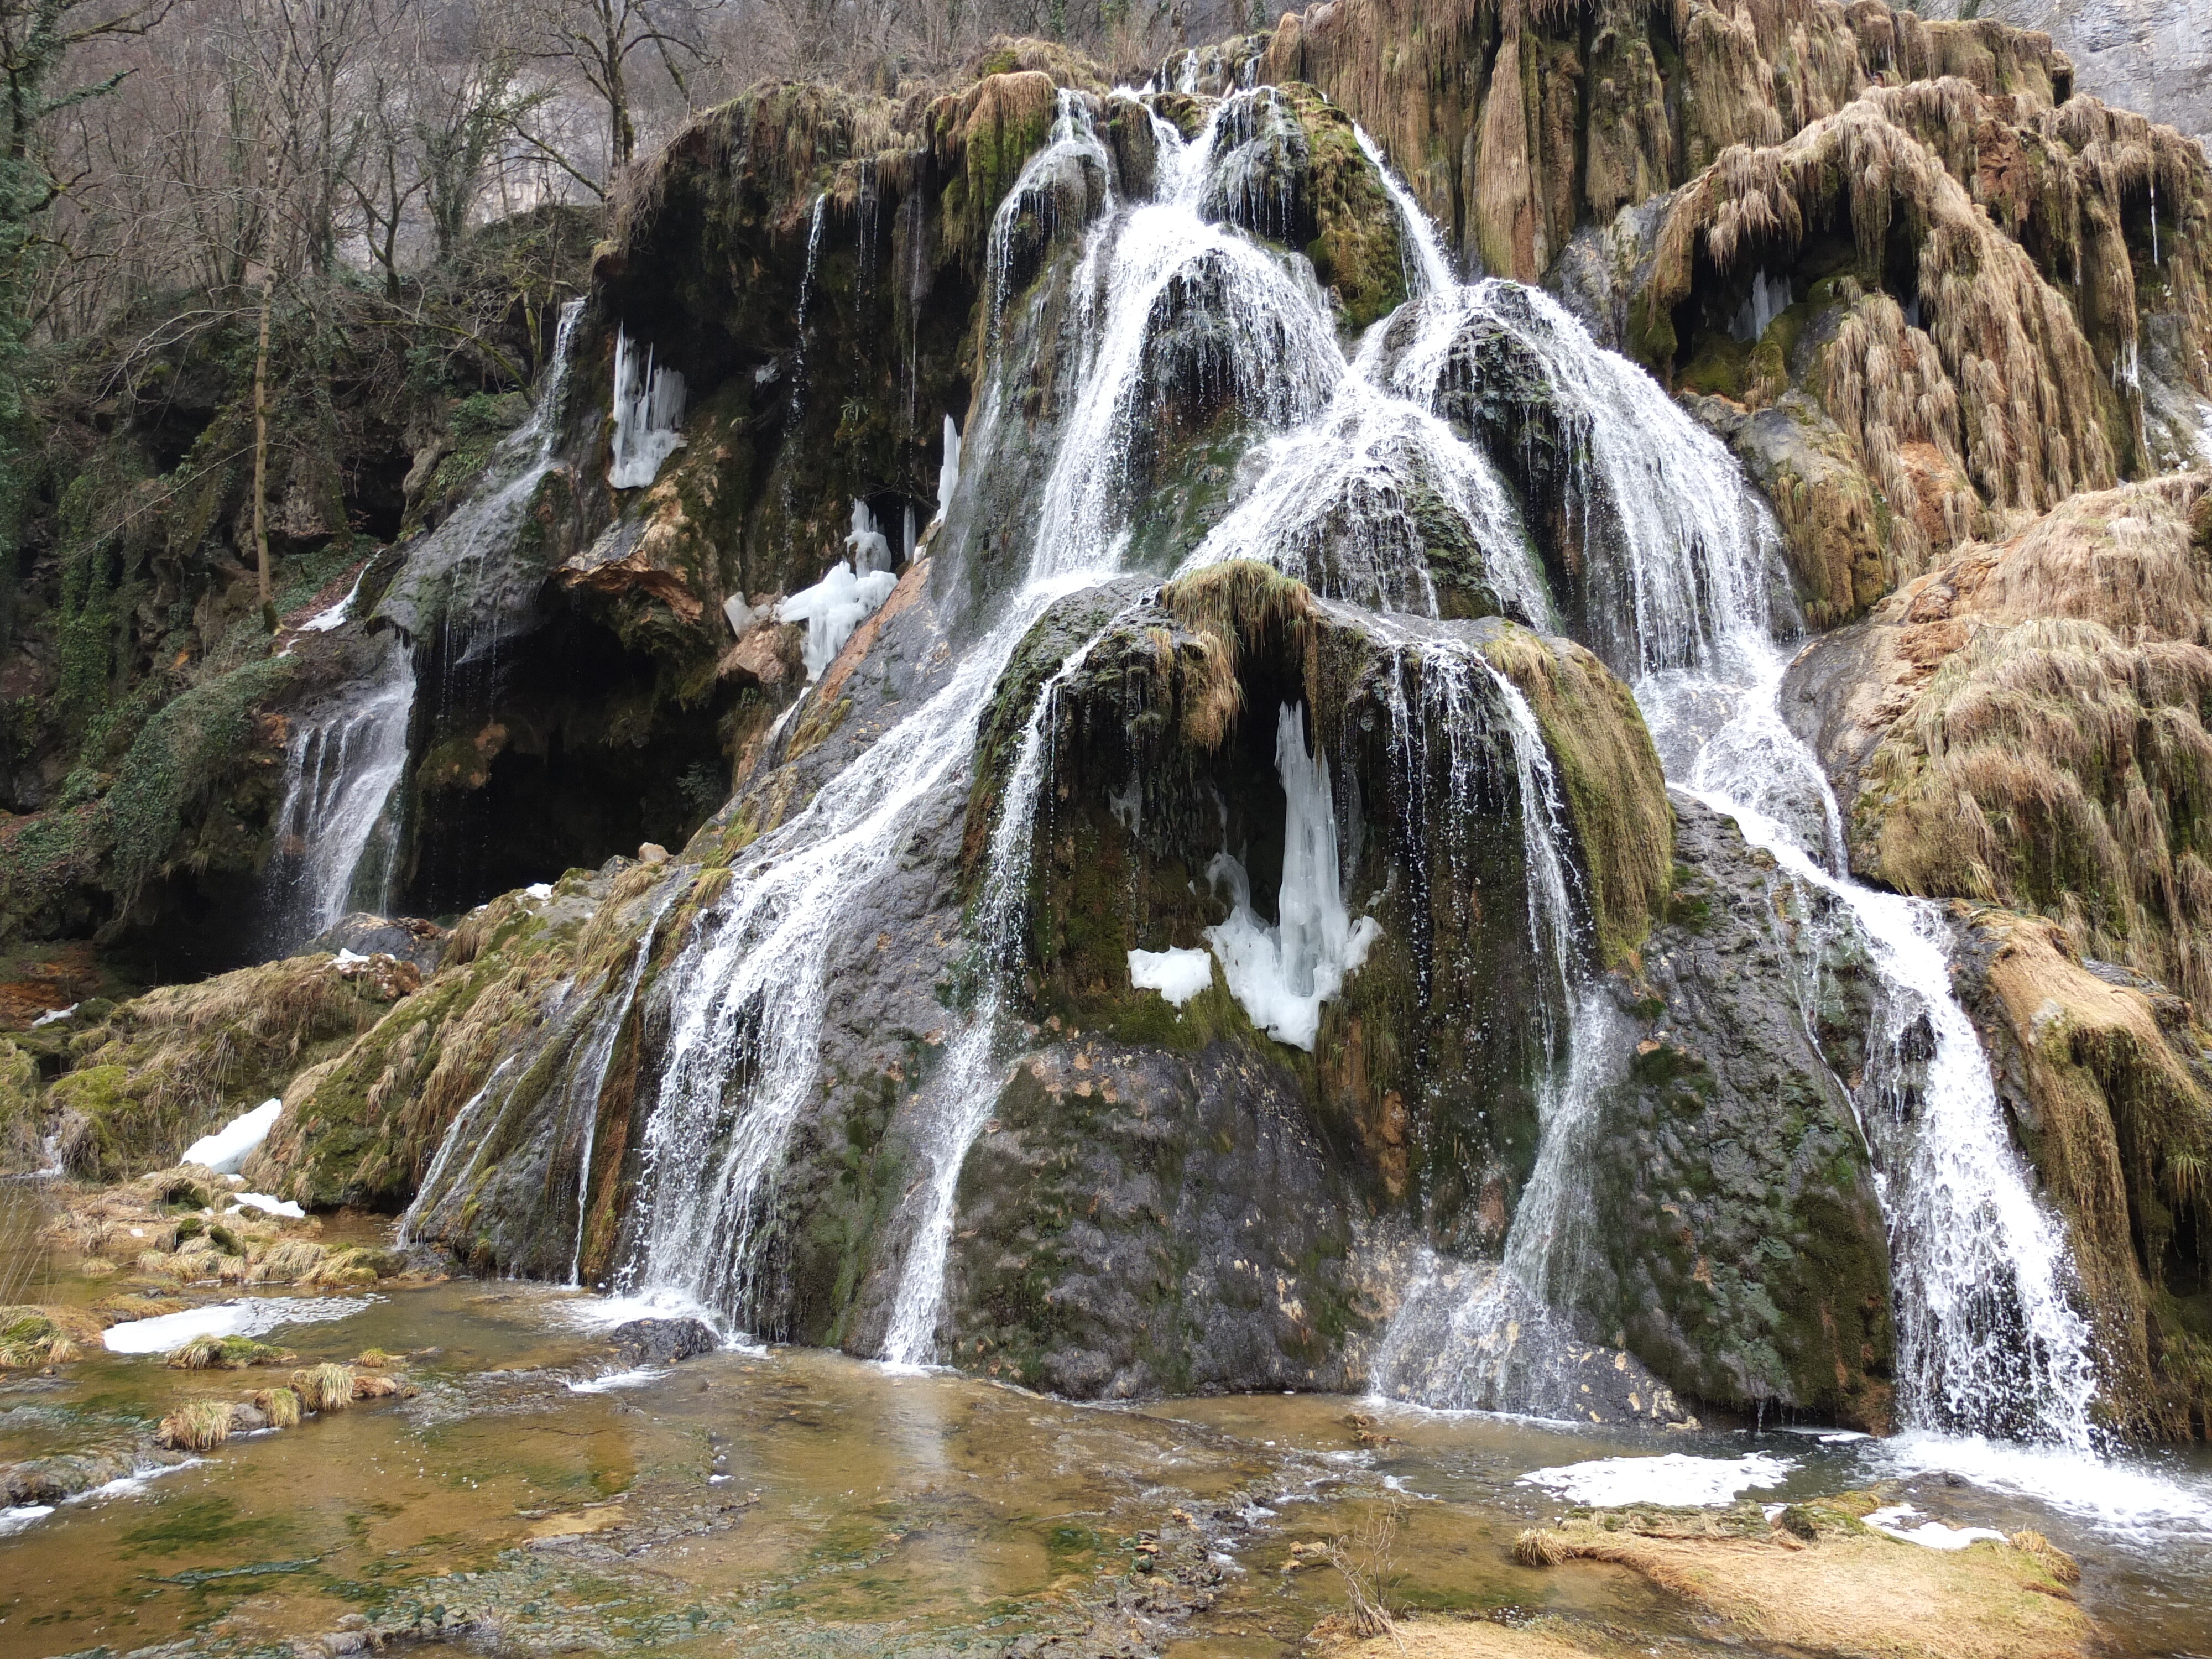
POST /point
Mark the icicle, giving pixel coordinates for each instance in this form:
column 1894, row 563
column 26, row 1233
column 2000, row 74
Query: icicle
column 948, row 472
column 870, row 550
column 648, row 408
column 1282, row 973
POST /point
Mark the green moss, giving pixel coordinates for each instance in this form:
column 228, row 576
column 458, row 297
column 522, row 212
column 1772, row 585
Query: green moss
column 176, row 768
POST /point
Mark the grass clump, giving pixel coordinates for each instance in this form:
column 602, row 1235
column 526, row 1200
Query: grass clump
column 280, row 1406
column 325, row 1388
column 197, row 1425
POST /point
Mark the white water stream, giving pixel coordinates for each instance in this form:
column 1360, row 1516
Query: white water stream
column 339, row 827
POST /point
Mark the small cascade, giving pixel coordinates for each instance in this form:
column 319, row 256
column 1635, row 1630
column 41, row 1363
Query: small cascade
column 460, row 1133
column 1277, row 351
column 1072, row 164
column 967, row 1087
column 457, row 578
column 338, row 829
column 648, row 411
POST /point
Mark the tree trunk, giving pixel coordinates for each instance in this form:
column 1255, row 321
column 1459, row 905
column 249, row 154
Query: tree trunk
column 261, row 447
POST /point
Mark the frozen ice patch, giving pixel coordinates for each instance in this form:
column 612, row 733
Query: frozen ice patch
column 1928, row 1534
column 1282, row 973
column 1177, row 975
column 1675, row 1480
column 832, row 609
column 227, row 1150
column 246, row 1317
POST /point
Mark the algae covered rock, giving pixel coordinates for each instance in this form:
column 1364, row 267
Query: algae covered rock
column 1744, row 1255
column 2026, row 726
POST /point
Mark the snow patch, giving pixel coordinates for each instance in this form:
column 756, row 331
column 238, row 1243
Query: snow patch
column 1675, row 1480
column 1928, row 1534
column 246, row 1317
column 227, row 1150
column 1282, row 973
column 1175, row 974
column 263, row 1201
column 540, row 890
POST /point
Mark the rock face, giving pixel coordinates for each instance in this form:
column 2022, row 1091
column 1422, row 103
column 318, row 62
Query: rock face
column 1201, row 965
column 1745, row 1254
column 2154, row 56
column 2024, row 727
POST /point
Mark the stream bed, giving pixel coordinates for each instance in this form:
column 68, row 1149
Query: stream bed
column 541, row 1493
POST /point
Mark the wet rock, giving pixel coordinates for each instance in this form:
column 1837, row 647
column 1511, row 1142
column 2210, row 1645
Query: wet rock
column 410, row 938
column 664, row 1341
column 1744, row 1255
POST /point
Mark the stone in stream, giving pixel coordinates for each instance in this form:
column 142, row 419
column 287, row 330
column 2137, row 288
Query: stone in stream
column 664, row 1341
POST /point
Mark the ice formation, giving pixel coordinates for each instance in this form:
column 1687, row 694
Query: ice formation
column 948, row 475
column 1177, row 975
column 832, row 609
column 1675, row 1479
column 226, row 1151
column 870, row 548
column 1282, row 974
column 1768, row 300
column 648, row 409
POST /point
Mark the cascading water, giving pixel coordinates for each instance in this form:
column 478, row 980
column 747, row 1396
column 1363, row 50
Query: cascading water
column 1989, row 1340
column 338, row 828
column 742, row 1058
column 588, row 1080
column 967, row 1087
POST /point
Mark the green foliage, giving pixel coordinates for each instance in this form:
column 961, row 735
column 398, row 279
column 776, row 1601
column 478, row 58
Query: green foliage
column 178, row 761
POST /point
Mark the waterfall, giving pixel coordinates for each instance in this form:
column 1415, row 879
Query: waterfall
column 1989, row 1340
column 338, row 828
column 742, row 1059
column 967, row 1087
column 337, row 824
column 589, row 1080
column 459, row 1133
